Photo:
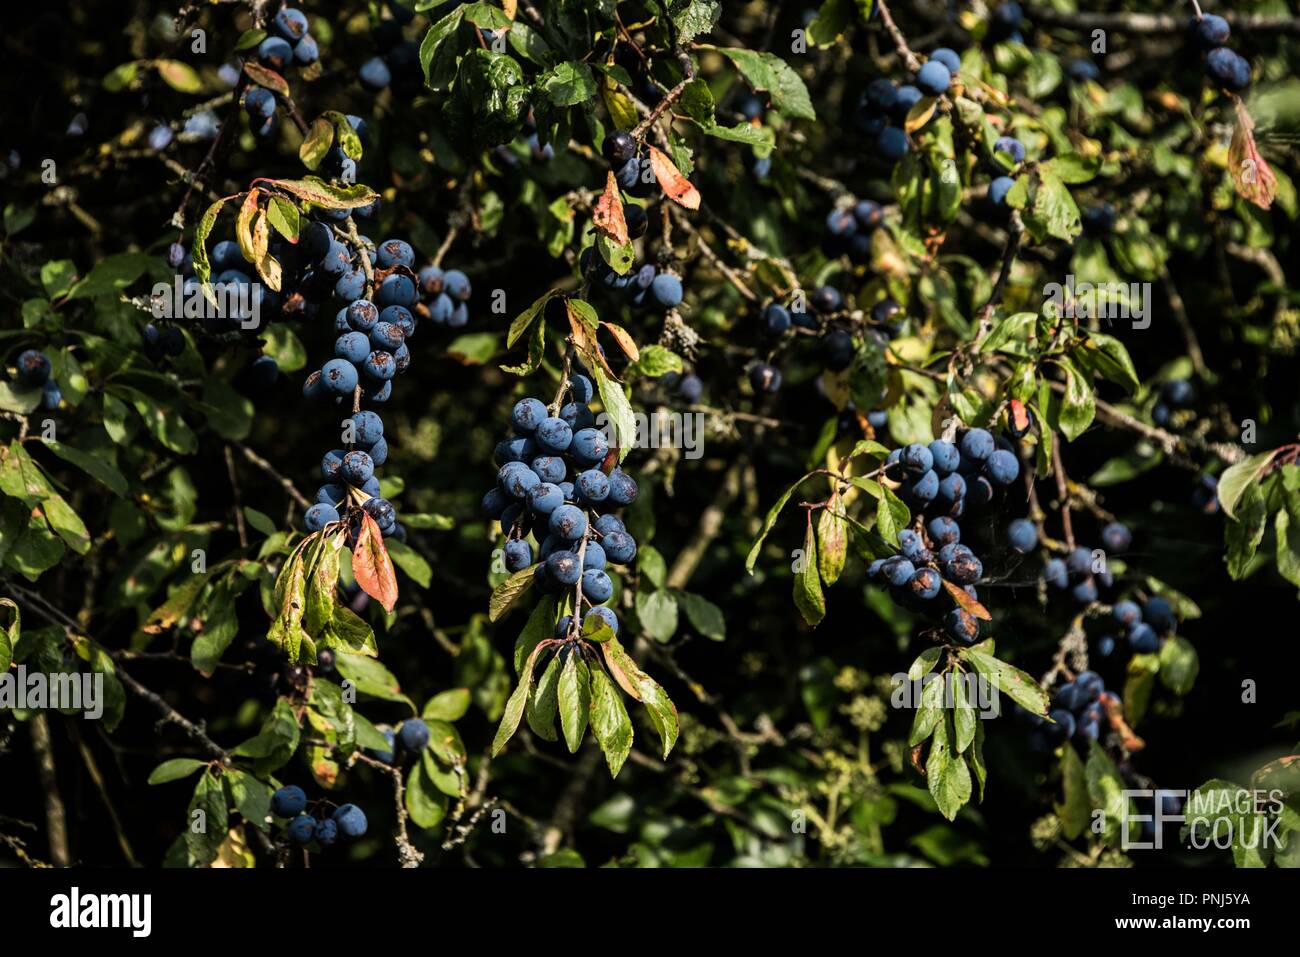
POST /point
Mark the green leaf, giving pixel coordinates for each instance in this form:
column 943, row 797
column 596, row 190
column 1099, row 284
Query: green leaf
column 929, row 711
column 654, row 361
column 619, row 258
column 437, row 58
column 832, row 543
column 768, row 522
column 1008, row 679
column 251, row 797
column 924, row 663
column 946, row 774
column 348, row 138
column 1235, row 479
column 220, row 626
column 704, row 616
column 1286, row 525
column 1073, row 168
column 767, row 72
column 892, row 515
column 11, row 632
column 370, row 677
column 174, row 770
column 283, row 217
column 964, row 718
column 610, row 723
column 1111, row 359
column 317, row 143
column 57, row 277
column 1106, row 793
column 694, row 17
column 568, row 84
column 514, row 710
column 202, row 268
column 657, row 613
column 525, row 319
column 543, row 703
column 411, row 562
column 540, row 626
column 505, row 594
column 208, row 819
column 574, row 698
column 659, row 707
column 1073, row 812
column 93, row 465
column 1178, row 665
column 808, row 597
column 425, row 803
column 618, row 410
column 486, row 16
column 1079, row 405
column 832, row 20
column 111, row 275
column 447, row 705
column 313, row 190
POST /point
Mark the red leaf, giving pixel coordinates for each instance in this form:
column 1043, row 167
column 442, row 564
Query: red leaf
column 608, row 216
column 1019, row 416
column 623, row 338
column 1250, row 172
column 675, row 186
column 965, row 602
column 371, row 566
column 1115, row 714
column 267, row 78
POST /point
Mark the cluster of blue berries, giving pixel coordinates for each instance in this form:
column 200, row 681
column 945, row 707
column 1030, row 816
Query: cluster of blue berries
column 33, row 371
column 347, row 821
column 289, row 43
column 398, row 62
column 883, row 109
column 688, row 387
column 1099, row 221
column 945, row 478
column 1174, row 395
column 1143, row 626
column 631, row 168
column 938, row 481
column 410, row 739
column 159, row 342
column 776, row 319
column 1014, row 150
column 1078, row 712
column 1225, row 66
column 849, row 229
column 1005, row 23
column 371, row 349
column 642, row 288
column 555, row 473
column 1075, row 572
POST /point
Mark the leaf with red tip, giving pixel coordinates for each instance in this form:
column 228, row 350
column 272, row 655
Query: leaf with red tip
column 371, row 566
column 675, row 186
column 608, row 217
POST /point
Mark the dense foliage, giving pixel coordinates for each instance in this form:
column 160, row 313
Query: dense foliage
column 384, row 382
